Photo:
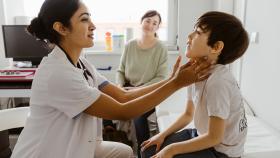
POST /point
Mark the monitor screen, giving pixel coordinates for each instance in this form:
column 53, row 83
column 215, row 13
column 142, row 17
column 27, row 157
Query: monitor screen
column 21, row 46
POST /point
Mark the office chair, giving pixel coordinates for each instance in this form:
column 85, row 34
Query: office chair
column 13, row 118
column 9, row 119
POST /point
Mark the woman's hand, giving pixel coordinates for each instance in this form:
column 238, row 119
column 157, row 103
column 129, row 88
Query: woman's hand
column 176, row 66
column 155, row 140
column 164, row 153
column 203, row 67
column 193, row 71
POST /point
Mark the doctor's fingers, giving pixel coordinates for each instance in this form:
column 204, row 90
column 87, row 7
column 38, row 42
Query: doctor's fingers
column 203, row 68
column 201, row 78
column 178, row 61
column 188, row 64
column 199, row 66
column 204, row 71
column 177, row 64
column 203, row 63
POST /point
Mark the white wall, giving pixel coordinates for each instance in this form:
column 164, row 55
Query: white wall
column 13, row 8
column 3, row 62
column 224, row 5
column 189, row 11
column 8, row 10
column 261, row 74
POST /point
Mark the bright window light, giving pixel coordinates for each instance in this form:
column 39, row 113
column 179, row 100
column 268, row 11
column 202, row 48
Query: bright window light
column 116, row 16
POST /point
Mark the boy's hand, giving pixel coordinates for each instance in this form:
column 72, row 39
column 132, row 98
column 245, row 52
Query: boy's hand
column 155, row 140
column 166, row 152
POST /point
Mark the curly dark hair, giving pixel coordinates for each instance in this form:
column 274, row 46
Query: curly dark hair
column 52, row 11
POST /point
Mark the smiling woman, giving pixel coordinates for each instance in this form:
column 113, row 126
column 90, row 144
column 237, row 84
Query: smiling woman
column 67, row 25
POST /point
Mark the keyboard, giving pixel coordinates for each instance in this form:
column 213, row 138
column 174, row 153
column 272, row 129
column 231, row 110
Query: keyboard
column 14, row 73
column 15, row 85
column 16, row 79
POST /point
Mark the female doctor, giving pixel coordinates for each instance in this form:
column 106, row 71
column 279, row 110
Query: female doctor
column 69, row 97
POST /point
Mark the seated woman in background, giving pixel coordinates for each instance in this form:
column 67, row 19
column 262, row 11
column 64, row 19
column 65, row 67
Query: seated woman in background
column 143, row 63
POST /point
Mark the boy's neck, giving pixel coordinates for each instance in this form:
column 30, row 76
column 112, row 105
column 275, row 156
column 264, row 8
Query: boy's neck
column 211, row 60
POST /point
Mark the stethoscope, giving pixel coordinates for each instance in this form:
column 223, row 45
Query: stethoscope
column 80, row 65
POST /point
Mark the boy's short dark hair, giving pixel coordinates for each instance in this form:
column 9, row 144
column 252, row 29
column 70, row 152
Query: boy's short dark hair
column 227, row 28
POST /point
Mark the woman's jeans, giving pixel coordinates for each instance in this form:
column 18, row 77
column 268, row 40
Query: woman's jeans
column 142, row 128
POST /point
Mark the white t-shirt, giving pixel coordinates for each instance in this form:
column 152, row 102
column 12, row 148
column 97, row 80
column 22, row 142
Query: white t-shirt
column 57, row 126
column 220, row 96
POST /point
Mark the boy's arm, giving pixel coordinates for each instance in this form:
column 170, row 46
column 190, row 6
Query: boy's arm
column 213, row 137
column 185, row 118
column 182, row 121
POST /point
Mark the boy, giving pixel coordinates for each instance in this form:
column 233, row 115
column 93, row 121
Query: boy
column 215, row 104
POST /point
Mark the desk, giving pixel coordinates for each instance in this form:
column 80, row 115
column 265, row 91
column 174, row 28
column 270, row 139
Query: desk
column 15, row 93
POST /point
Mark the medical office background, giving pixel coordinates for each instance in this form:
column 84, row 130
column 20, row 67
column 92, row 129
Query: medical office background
column 257, row 72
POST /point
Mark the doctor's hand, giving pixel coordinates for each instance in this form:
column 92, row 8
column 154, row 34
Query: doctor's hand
column 191, row 72
column 204, row 66
column 176, row 66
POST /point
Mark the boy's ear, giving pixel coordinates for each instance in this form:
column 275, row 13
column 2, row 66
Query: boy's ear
column 218, row 47
column 59, row 28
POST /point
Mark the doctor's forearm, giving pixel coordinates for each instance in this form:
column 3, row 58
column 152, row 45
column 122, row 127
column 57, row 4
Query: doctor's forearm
column 109, row 108
column 147, row 102
column 155, row 80
column 138, row 92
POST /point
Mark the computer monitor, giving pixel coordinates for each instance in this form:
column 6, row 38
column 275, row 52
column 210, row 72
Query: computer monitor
column 21, row 46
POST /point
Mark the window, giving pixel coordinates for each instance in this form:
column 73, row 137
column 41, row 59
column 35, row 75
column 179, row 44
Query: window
column 119, row 16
